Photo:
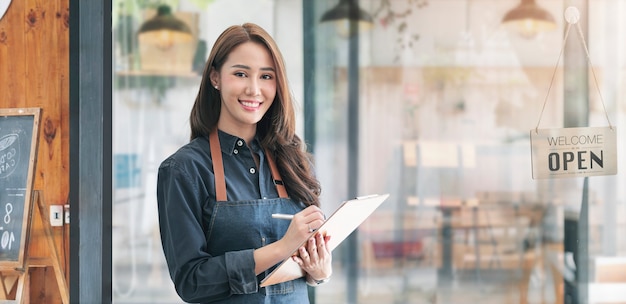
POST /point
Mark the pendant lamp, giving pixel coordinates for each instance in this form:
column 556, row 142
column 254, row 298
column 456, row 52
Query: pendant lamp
column 164, row 29
column 529, row 19
column 345, row 11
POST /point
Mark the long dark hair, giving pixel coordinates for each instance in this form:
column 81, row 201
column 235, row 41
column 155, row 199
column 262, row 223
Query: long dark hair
column 276, row 129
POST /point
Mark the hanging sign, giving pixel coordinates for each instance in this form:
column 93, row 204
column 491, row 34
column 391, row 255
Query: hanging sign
column 573, row 152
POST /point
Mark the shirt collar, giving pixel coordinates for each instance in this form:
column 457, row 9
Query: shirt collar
column 230, row 142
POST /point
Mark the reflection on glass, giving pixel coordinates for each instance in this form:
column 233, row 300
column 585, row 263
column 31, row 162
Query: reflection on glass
column 444, row 118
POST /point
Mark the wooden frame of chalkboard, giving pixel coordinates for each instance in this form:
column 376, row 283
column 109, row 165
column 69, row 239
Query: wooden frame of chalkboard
column 19, row 133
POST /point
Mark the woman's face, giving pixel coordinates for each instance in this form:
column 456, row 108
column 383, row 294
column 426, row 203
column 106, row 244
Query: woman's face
column 247, row 85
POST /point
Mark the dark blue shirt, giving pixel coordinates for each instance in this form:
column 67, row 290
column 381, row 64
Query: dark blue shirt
column 210, row 255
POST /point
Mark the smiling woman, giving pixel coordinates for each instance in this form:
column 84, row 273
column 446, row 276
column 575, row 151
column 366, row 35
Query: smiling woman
column 244, row 163
column 247, row 86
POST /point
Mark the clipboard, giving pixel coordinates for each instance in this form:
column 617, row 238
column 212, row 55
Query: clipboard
column 339, row 225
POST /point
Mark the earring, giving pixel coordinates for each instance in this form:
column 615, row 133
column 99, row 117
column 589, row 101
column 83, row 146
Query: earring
column 216, row 87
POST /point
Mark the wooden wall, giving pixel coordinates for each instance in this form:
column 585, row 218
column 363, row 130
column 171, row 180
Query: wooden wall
column 34, row 72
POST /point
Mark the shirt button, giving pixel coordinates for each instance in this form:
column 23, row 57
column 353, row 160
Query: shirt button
column 236, row 151
column 240, row 143
column 252, row 170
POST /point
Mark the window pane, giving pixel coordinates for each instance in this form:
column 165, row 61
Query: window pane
column 447, row 97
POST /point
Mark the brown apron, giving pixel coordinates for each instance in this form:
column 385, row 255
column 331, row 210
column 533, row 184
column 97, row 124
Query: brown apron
column 218, row 169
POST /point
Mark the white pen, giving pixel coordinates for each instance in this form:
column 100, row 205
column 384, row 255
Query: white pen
column 282, row 216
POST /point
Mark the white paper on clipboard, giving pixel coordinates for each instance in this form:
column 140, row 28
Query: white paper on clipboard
column 338, row 226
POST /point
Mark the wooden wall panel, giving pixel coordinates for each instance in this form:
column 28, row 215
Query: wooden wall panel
column 12, row 62
column 34, row 72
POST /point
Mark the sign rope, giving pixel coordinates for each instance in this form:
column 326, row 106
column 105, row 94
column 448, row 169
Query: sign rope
column 572, row 16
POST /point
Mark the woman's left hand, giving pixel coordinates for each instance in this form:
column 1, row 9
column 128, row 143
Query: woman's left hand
column 315, row 258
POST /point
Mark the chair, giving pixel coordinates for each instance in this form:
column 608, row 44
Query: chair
column 499, row 236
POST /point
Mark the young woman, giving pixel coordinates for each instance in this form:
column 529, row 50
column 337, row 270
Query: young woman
column 216, row 195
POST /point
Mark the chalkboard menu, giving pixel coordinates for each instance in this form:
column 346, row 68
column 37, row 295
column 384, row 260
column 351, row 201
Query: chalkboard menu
column 18, row 150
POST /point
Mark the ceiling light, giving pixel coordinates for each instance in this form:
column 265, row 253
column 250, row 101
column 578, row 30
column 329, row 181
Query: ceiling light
column 346, row 11
column 164, row 29
column 529, row 19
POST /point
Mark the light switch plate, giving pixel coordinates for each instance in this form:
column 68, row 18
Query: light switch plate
column 56, row 215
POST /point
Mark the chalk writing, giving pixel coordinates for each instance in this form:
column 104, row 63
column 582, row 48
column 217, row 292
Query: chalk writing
column 8, row 237
column 9, row 156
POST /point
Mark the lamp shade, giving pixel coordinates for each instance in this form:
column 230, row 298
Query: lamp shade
column 164, row 29
column 345, row 11
column 529, row 19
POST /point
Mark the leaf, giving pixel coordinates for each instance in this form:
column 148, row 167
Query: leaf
column 402, row 27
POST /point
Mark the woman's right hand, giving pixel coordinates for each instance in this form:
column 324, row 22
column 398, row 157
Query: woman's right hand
column 302, row 226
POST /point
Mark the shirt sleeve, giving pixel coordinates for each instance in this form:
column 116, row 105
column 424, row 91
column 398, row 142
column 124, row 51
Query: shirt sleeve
column 197, row 276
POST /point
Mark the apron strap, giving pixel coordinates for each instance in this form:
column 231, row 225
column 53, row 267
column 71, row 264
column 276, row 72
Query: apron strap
column 278, row 181
column 218, row 166
column 218, row 170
